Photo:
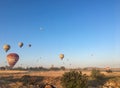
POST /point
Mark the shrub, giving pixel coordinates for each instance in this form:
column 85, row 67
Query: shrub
column 62, row 68
column 96, row 74
column 26, row 79
column 74, row 79
column 54, row 68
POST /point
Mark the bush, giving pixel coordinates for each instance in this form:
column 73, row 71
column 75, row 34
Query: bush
column 74, row 79
column 27, row 79
column 54, row 69
column 96, row 74
column 62, row 68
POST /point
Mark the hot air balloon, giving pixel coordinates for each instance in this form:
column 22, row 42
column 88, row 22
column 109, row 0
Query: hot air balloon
column 6, row 47
column 29, row 45
column 12, row 59
column 107, row 68
column 61, row 56
column 20, row 44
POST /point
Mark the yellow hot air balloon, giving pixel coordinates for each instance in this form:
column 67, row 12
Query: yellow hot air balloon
column 20, row 44
column 12, row 59
column 6, row 47
column 61, row 56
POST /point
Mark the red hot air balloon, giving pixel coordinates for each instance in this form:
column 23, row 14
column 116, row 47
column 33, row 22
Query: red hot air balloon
column 12, row 59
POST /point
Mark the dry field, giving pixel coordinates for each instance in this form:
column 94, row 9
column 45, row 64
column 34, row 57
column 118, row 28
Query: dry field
column 12, row 79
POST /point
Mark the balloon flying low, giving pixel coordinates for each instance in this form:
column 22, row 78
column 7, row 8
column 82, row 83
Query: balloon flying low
column 61, row 56
column 20, row 44
column 6, row 47
column 12, row 59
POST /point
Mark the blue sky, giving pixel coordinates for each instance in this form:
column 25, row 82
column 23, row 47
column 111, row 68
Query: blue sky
column 86, row 31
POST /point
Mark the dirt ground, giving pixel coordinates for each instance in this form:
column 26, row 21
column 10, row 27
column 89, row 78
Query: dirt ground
column 14, row 79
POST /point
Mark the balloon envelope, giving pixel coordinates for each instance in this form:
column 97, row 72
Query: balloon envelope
column 20, row 44
column 29, row 45
column 107, row 68
column 6, row 47
column 61, row 56
column 12, row 59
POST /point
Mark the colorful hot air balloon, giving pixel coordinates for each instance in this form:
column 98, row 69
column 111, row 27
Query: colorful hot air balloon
column 6, row 47
column 20, row 44
column 61, row 56
column 12, row 59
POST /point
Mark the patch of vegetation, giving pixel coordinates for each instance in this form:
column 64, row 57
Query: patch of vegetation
column 33, row 80
column 96, row 78
column 109, row 71
column 62, row 68
column 54, row 69
column 74, row 79
column 97, row 75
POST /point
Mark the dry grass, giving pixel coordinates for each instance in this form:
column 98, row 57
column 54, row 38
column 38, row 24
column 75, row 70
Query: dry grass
column 48, row 73
column 50, row 77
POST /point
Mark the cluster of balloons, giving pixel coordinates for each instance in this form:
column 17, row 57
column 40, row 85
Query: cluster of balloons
column 12, row 58
column 7, row 47
column 20, row 44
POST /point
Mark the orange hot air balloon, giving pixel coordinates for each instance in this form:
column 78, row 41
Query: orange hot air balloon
column 61, row 56
column 6, row 47
column 12, row 59
column 20, row 44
